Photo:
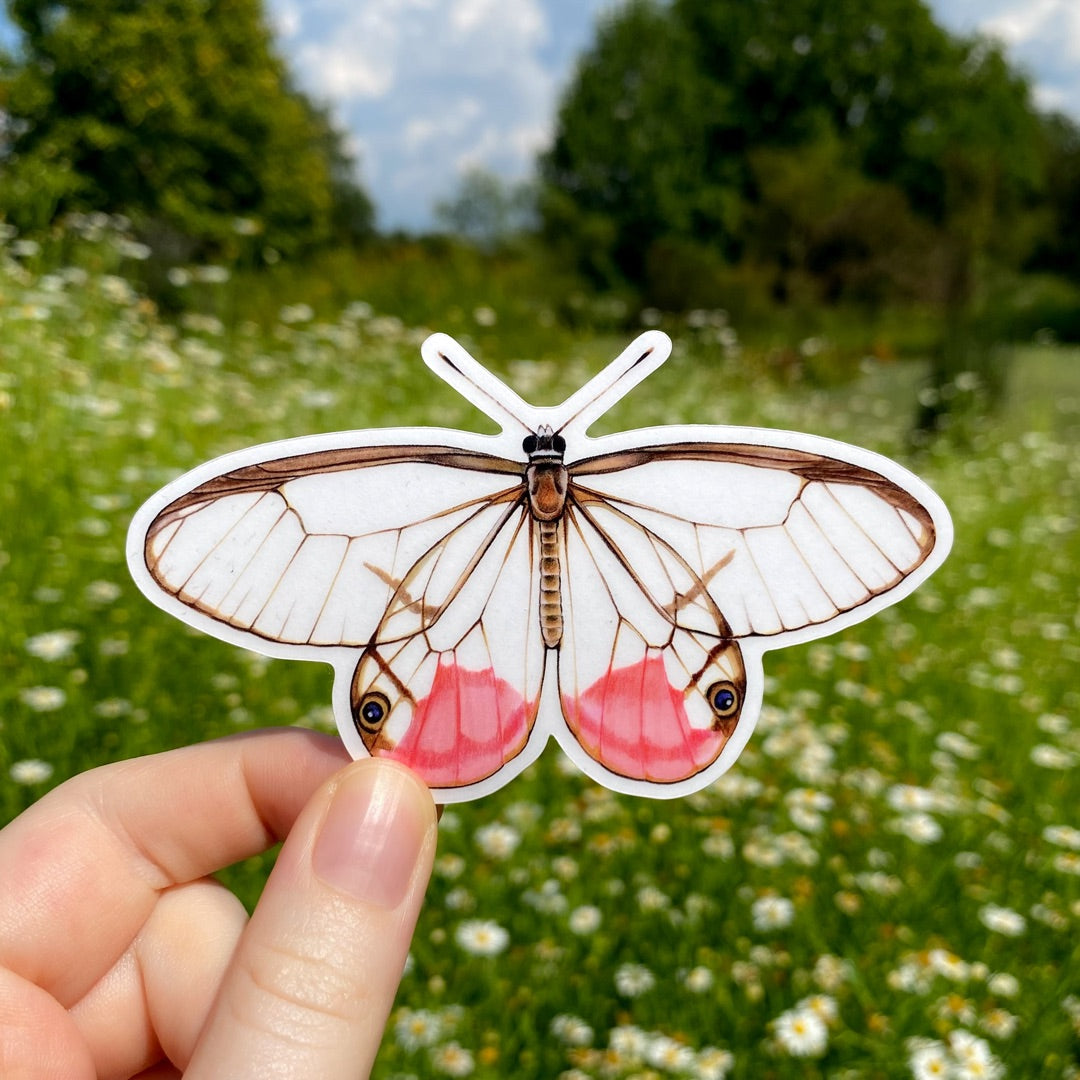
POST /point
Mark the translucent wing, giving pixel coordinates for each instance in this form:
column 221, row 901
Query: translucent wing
column 646, row 699
column 407, row 555
column 438, row 578
column 682, row 560
column 456, row 698
column 778, row 539
column 322, row 549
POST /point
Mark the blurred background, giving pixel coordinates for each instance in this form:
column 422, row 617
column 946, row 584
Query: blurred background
column 785, row 162
column 224, row 222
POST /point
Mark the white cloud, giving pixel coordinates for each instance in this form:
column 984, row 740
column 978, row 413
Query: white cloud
column 1055, row 99
column 431, row 87
column 1041, row 36
column 1039, row 21
column 285, row 18
column 348, row 51
column 428, row 88
column 452, row 124
column 342, row 77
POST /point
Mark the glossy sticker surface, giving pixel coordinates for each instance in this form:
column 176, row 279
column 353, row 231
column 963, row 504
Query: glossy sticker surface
column 478, row 595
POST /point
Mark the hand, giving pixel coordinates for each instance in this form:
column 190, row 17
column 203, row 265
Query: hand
column 120, row 957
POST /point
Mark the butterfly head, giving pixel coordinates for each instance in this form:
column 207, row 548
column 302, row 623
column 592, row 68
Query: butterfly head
column 546, row 476
column 544, row 445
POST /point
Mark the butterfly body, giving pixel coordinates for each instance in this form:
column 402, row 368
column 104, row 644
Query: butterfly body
column 477, row 595
column 546, row 480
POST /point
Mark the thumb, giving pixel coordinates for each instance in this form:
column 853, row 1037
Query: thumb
column 314, row 975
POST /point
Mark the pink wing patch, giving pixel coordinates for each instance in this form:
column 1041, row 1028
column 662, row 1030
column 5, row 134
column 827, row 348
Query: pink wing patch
column 469, row 725
column 634, row 723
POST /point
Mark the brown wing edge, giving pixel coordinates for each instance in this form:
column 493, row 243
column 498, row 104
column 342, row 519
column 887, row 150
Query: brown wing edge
column 272, row 475
column 807, row 466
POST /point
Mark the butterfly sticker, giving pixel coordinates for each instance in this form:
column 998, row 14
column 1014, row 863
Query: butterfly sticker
column 477, row 595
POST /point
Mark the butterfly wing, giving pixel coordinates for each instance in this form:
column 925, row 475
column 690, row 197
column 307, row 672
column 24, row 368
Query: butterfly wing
column 781, row 539
column 689, row 559
column 646, row 699
column 321, row 549
column 456, row 699
column 390, row 562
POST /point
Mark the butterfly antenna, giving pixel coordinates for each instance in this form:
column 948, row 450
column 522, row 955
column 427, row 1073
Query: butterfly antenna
column 640, row 359
column 476, row 384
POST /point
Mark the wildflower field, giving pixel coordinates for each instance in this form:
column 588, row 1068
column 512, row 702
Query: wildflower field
column 886, row 885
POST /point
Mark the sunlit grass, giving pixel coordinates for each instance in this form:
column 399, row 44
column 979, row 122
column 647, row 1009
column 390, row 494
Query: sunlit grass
column 895, row 856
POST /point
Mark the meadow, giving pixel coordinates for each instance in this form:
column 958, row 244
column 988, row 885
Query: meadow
column 887, row 884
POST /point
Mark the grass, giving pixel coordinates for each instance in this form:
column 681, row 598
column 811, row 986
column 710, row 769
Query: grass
column 894, row 855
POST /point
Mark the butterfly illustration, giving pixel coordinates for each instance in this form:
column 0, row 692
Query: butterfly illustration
column 477, row 594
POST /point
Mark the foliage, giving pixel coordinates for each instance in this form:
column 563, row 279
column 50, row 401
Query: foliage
column 488, row 211
column 630, row 162
column 831, row 137
column 1055, row 247
column 178, row 113
column 892, row 867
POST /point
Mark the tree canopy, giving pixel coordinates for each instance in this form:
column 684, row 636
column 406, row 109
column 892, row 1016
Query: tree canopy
column 178, row 113
column 834, row 140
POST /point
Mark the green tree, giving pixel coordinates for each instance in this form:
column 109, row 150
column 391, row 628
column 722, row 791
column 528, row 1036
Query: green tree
column 487, row 210
column 1056, row 248
column 691, row 121
column 177, row 112
column 828, row 231
column 630, row 163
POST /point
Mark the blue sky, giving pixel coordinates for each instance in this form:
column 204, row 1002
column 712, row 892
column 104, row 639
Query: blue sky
column 427, row 88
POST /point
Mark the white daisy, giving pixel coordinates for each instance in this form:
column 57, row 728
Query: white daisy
column 918, row 827
column 571, row 1030
column 713, row 1064
column 481, row 937
column 585, row 919
column 699, row 979
column 497, row 841
column 1047, row 756
column 665, row 1053
column 414, row 1028
column 43, row 698
column 1063, row 836
column 1002, row 920
column 52, row 645
column 802, row 1033
column 631, row 980
column 930, row 1062
column 772, row 912
column 30, row 771
column 452, row 1059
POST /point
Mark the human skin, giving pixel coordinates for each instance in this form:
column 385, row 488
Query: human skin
column 120, row 956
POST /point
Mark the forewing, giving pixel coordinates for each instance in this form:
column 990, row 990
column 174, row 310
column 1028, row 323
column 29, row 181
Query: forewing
column 323, row 549
column 777, row 539
column 456, row 700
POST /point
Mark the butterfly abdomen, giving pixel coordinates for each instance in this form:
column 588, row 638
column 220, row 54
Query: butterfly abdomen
column 551, row 620
column 546, row 482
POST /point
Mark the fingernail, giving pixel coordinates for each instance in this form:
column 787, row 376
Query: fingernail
column 377, row 823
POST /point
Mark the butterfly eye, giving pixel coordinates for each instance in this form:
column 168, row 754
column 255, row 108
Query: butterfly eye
column 528, row 444
column 558, row 444
column 371, row 713
column 724, row 699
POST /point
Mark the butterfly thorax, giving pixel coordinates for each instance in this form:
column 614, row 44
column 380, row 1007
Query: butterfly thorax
column 546, row 481
column 545, row 475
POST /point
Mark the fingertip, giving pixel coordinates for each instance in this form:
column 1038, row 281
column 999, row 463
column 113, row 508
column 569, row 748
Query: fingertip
column 314, row 975
column 379, row 825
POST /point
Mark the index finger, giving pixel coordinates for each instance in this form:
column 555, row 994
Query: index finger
column 80, row 871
